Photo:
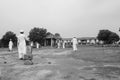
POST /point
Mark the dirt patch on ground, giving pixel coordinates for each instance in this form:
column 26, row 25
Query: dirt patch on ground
column 88, row 63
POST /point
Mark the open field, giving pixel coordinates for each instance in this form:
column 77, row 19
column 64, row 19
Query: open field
column 88, row 63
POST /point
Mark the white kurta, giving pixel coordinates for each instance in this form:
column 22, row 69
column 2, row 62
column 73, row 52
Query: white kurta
column 63, row 44
column 31, row 44
column 74, row 40
column 37, row 45
column 58, row 44
column 21, row 45
column 10, row 45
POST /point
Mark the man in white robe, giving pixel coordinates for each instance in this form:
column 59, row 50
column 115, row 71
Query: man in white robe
column 37, row 45
column 10, row 45
column 21, row 45
column 58, row 44
column 31, row 44
column 74, row 40
column 63, row 44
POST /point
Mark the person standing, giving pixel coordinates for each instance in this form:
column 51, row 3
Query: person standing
column 21, row 45
column 58, row 44
column 63, row 44
column 37, row 45
column 10, row 45
column 31, row 44
column 74, row 40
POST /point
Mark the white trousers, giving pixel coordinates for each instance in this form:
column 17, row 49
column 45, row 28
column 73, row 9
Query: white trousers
column 10, row 48
column 63, row 46
column 74, row 47
column 21, row 51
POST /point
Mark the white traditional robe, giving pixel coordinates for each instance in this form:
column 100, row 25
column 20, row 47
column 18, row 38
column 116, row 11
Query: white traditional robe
column 58, row 44
column 21, row 45
column 63, row 44
column 74, row 40
column 31, row 44
column 37, row 45
column 10, row 45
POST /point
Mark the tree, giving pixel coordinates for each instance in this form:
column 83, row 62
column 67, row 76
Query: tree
column 1, row 45
column 49, row 33
column 107, row 36
column 113, row 37
column 57, row 35
column 6, row 38
column 38, row 35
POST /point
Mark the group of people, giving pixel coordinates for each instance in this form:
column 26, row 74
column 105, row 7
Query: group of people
column 21, row 44
column 74, row 44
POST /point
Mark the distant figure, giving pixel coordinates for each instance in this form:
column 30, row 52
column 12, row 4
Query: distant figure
column 10, row 45
column 74, row 40
column 63, row 44
column 21, row 45
column 37, row 45
column 31, row 44
column 58, row 43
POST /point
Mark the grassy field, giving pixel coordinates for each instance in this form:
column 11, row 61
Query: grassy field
column 88, row 63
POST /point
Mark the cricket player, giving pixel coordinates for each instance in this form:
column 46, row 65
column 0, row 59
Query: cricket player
column 63, row 44
column 37, row 45
column 10, row 45
column 58, row 43
column 21, row 45
column 74, row 41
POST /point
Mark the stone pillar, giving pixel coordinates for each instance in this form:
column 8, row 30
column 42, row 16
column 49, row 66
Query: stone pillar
column 45, row 42
column 51, row 42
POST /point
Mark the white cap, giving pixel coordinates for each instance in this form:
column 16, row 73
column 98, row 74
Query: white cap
column 21, row 30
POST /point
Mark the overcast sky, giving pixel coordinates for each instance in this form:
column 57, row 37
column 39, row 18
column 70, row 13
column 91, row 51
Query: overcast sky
column 80, row 18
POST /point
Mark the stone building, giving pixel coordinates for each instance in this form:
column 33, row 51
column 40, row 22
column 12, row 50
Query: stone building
column 51, row 40
column 82, row 40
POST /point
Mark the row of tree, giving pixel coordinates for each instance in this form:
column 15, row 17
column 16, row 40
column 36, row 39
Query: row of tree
column 39, row 35
column 36, row 35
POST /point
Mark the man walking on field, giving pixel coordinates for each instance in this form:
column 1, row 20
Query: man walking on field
column 74, row 40
column 21, row 45
column 10, row 45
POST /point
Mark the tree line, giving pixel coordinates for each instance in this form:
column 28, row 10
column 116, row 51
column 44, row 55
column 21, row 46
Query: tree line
column 39, row 35
column 108, row 37
column 36, row 34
